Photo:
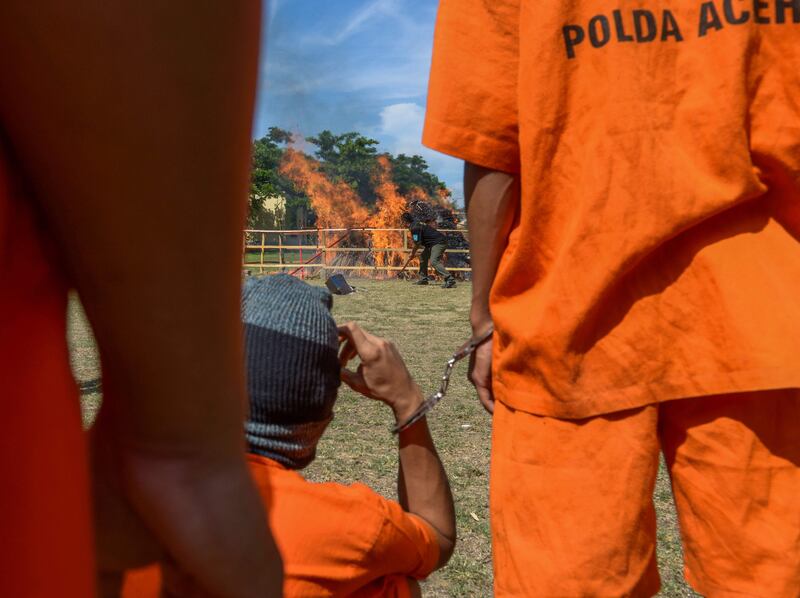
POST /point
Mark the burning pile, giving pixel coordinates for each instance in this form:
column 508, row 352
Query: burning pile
column 337, row 205
column 390, row 206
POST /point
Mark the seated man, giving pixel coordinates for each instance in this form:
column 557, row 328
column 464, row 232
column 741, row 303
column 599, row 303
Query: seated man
column 335, row 540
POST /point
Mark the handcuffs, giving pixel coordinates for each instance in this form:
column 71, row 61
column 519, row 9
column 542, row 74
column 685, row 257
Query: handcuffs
column 465, row 351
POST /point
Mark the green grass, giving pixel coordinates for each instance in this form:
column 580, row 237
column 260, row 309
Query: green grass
column 273, row 256
column 427, row 324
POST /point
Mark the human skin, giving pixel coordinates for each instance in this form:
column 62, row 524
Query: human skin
column 492, row 199
column 422, row 485
column 129, row 123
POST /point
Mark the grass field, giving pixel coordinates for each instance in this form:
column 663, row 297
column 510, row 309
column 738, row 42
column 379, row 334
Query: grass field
column 427, row 324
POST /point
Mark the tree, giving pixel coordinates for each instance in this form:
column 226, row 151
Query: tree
column 266, row 181
column 351, row 158
column 411, row 172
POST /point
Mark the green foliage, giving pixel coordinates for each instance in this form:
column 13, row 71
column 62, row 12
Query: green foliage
column 411, row 172
column 350, row 157
column 266, row 181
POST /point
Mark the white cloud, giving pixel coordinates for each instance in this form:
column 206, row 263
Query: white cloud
column 356, row 21
column 272, row 7
column 388, row 61
column 363, row 67
column 401, row 132
column 388, row 82
column 402, row 123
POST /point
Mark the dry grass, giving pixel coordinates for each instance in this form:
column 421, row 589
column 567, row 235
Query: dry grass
column 427, row 324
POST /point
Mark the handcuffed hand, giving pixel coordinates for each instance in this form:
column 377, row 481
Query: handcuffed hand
column 480, row 374
column 382, row 374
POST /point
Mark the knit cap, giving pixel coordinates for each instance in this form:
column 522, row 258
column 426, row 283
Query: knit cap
column 291, row 346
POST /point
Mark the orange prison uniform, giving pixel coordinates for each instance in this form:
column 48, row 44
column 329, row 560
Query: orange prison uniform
column 655, row 253
column 335, row 540
column 45, row 533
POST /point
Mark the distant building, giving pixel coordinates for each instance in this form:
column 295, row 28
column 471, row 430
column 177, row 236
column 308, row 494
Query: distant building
column 273, row 203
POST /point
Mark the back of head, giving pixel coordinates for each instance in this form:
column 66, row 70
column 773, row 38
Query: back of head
column 291, row 346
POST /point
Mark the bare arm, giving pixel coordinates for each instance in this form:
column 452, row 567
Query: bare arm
column 422, row 484
column 491, row 199
column 423, row 488
column 130, row 121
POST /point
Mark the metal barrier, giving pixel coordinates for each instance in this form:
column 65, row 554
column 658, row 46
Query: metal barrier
column 267, row 250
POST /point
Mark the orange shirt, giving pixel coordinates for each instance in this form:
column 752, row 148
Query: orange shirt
column 45, row 545
column 656, row 250
column 335, row 540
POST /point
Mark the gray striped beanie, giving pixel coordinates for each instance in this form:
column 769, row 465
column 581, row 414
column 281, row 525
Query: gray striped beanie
column 291, row 346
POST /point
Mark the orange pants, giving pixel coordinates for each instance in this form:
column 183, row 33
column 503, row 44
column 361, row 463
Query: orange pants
column 572, row 510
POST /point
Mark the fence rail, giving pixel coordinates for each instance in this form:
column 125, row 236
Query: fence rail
column 316, row 250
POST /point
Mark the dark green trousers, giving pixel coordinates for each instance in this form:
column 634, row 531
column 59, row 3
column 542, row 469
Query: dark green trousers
column 434, row 254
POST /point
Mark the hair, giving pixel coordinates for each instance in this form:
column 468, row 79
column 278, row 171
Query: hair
column 406, row 218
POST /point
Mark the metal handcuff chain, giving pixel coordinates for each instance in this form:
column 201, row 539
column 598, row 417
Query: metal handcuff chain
column 465, row 351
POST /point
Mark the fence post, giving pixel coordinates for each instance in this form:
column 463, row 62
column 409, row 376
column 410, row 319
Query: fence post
column 374, row 252
column 280, row 249
column 261, row 259
column 302, row 243
column 323, row 241
column 405, row 246
column 244, row 251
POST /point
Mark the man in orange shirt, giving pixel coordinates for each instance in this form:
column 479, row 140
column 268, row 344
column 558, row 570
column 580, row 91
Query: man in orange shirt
column 124, row 141
column 335, row 540
column 633, row 190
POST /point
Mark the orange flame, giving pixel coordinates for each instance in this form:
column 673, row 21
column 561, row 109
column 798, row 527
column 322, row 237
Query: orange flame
column 335, row 204
column 390, row 206
column 445, row 198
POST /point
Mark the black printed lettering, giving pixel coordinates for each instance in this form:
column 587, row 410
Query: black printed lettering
column 709, row 18
column 620, row 27
column 759, row 8
column 730, row 15
column 780, row 10
column 573, row 35
column 595, row 37
column 642, row 18
column 670, row 27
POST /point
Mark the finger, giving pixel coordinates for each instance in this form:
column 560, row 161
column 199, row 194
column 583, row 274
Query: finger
column 486, row 398
column 347, row 353
column 353, row 332
column 354, row 380
column 366, row 344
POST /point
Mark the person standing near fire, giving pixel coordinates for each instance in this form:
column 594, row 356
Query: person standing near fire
column 434, row 246
column 633, row 192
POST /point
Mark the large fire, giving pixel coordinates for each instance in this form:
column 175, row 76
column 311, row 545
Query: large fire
column 337, row 205
column 390, row 206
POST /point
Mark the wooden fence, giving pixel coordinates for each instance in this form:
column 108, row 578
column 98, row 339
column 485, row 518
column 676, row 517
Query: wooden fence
column 289, row 250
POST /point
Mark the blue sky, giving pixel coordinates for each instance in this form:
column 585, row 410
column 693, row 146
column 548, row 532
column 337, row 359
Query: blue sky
column 351, row 65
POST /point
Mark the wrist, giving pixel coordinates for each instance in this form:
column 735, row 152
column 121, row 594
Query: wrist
column 480, row 319
column 405, row 406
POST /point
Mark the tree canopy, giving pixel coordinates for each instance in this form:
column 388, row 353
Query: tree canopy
column 411, row 172
column 350, row 158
